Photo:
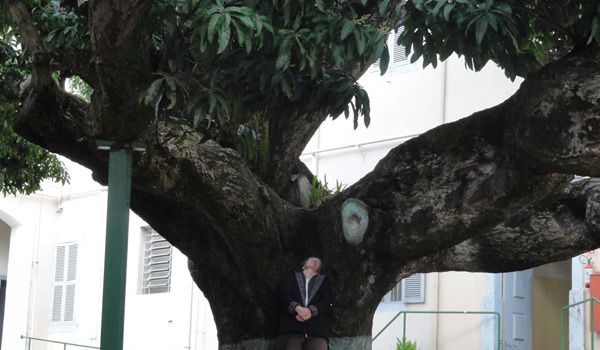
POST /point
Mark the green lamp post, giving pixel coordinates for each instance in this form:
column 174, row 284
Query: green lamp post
column 115, row 256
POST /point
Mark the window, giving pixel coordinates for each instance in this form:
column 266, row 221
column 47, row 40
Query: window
column 65, row 278
column 410, row 290
column 158, row 252
column 397, row 53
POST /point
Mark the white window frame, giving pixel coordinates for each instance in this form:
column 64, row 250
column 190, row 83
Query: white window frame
column 159, row 252
column 65, row 279
column 400, row 292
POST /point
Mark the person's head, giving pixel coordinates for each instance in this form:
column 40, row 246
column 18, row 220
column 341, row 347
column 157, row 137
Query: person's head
column 313, row 264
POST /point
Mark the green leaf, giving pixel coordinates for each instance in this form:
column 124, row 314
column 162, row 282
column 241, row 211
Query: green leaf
column 320, row 5
column 224, row 34
column 346, row 29
column 212, row 26
column 367, row 120
column 595, row 29
column 384, row 60
column 240, row 33
column 247, row 21
column 493, row 21
column 361, row 42
column 283, row 57
column 153, row 91
column 481, row 27
column 224, row 37
column 286, row 88
column 438, row 7
column 247, row 11
column 447, row 10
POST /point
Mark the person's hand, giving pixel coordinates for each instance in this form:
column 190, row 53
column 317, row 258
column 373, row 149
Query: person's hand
column 303, row 312
column 299, row 319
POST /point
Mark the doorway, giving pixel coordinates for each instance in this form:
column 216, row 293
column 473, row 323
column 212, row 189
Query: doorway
column 551, row 285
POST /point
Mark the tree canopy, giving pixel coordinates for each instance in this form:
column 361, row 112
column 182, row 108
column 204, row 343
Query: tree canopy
column 227, row 67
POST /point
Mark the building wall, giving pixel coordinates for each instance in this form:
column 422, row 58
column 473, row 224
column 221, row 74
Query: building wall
column 419, row 328
column 30, row 218
column 460, row 291
column 180, row 319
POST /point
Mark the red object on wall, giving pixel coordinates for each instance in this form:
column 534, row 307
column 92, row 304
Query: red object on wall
column 595, row 293
column 588, row 270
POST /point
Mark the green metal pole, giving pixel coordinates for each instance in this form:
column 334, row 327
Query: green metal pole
column 499, row 330
column 115, row 256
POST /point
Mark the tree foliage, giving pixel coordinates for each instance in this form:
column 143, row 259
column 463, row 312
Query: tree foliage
column 221, row 64
column 23, row 165
column 518, row 35
column 229, row 68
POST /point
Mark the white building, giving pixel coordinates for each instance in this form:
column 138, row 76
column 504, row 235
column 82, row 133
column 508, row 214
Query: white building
column 55, row 269
column 52, row 246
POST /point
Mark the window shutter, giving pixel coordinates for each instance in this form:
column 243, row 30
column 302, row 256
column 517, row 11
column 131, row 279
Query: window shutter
column 413, row 289
column 59, row 266
column 69, row 303
column 396, row 292
column 57, row 303
column 157, row 263
column 72, row 267
column 399, row 53
column 70, row 283
column 65, row 275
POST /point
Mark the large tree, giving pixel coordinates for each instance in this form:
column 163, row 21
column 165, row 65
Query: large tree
column 226, row 94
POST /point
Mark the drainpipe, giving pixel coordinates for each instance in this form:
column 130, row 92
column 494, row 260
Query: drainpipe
column 33, row 279
column 189, row 346
column 444, row 88
column 316, row 155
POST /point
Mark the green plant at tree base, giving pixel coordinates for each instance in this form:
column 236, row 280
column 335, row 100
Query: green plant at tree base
column 320, row 191
column 405, row 344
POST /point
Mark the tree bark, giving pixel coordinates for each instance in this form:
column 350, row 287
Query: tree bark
column 120, row 45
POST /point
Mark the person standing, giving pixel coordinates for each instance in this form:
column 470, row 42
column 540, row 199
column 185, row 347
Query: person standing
column 305, row 298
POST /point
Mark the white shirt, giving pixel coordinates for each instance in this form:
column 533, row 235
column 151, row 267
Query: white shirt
column 306, row 294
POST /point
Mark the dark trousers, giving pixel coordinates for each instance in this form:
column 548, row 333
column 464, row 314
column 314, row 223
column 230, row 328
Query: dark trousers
column 301, row 342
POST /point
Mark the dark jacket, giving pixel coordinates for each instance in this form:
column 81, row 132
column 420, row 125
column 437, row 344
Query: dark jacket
column 291, row 294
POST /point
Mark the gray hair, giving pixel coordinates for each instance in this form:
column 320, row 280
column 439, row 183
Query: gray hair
column 319, row 262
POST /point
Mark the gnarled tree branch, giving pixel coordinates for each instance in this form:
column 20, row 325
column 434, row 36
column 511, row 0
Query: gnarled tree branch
column 561, row 226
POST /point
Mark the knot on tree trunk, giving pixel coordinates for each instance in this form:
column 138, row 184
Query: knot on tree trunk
column 355, row 220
